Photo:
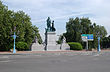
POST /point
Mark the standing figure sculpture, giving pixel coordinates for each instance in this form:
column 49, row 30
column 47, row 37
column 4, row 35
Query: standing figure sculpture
column 52, row 28
column 48, row 24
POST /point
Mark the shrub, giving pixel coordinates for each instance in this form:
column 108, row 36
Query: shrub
column 58, row 42
column 21, row 46
column 75, row 46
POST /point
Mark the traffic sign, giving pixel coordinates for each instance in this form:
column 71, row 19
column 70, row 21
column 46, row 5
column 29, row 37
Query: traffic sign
column 87, row 37
column 90, row 37
column 84, row 38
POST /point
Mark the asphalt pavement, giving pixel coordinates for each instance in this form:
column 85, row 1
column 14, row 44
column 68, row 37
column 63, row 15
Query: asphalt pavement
column 56, row 62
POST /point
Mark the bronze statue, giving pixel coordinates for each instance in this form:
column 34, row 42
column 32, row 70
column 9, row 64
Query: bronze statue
column 48, row 23
column 50, row 27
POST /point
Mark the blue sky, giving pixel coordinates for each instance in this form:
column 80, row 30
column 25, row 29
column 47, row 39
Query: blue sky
column 61, row 10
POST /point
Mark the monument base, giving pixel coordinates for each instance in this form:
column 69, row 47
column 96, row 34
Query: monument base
column 51, row 42
column 65, row 46
column 36, row 46
column 51, row 45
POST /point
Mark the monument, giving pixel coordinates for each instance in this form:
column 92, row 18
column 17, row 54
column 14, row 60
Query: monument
column 50, row 43
column 50, row 37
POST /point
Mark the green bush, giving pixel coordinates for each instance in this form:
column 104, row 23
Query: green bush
column 75, row 46
column 58, row 42
column 21, row 46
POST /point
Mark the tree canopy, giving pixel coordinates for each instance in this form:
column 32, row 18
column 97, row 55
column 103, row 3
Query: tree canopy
column 17, row 22
column 76, row 27
column 106, row 42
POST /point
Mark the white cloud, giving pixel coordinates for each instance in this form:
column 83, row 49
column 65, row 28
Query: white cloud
column 61, row 10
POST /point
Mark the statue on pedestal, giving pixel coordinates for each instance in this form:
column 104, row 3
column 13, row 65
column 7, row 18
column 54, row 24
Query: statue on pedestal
column 50, row 28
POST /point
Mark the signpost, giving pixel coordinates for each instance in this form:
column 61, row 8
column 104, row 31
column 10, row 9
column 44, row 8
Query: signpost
column 86, row 38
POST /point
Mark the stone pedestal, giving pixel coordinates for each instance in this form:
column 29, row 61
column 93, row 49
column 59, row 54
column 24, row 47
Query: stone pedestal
column 51, row 42
column 64, row 45
column 36, row 46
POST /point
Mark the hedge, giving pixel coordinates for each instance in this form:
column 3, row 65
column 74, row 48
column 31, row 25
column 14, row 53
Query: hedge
column 21, row 46
column 75, row 46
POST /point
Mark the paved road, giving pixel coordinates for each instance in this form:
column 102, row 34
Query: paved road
column 76, row 62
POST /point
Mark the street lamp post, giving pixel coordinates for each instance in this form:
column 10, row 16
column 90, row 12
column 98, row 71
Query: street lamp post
column 14, row 36
column 98, row 37
column 99, row 44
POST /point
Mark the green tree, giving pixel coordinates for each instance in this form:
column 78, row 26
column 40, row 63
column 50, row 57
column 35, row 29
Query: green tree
column 60, row 40
column 17, row 22
column 76, row 27
column 106, row 42
column 5, row 26
column 36, row 33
